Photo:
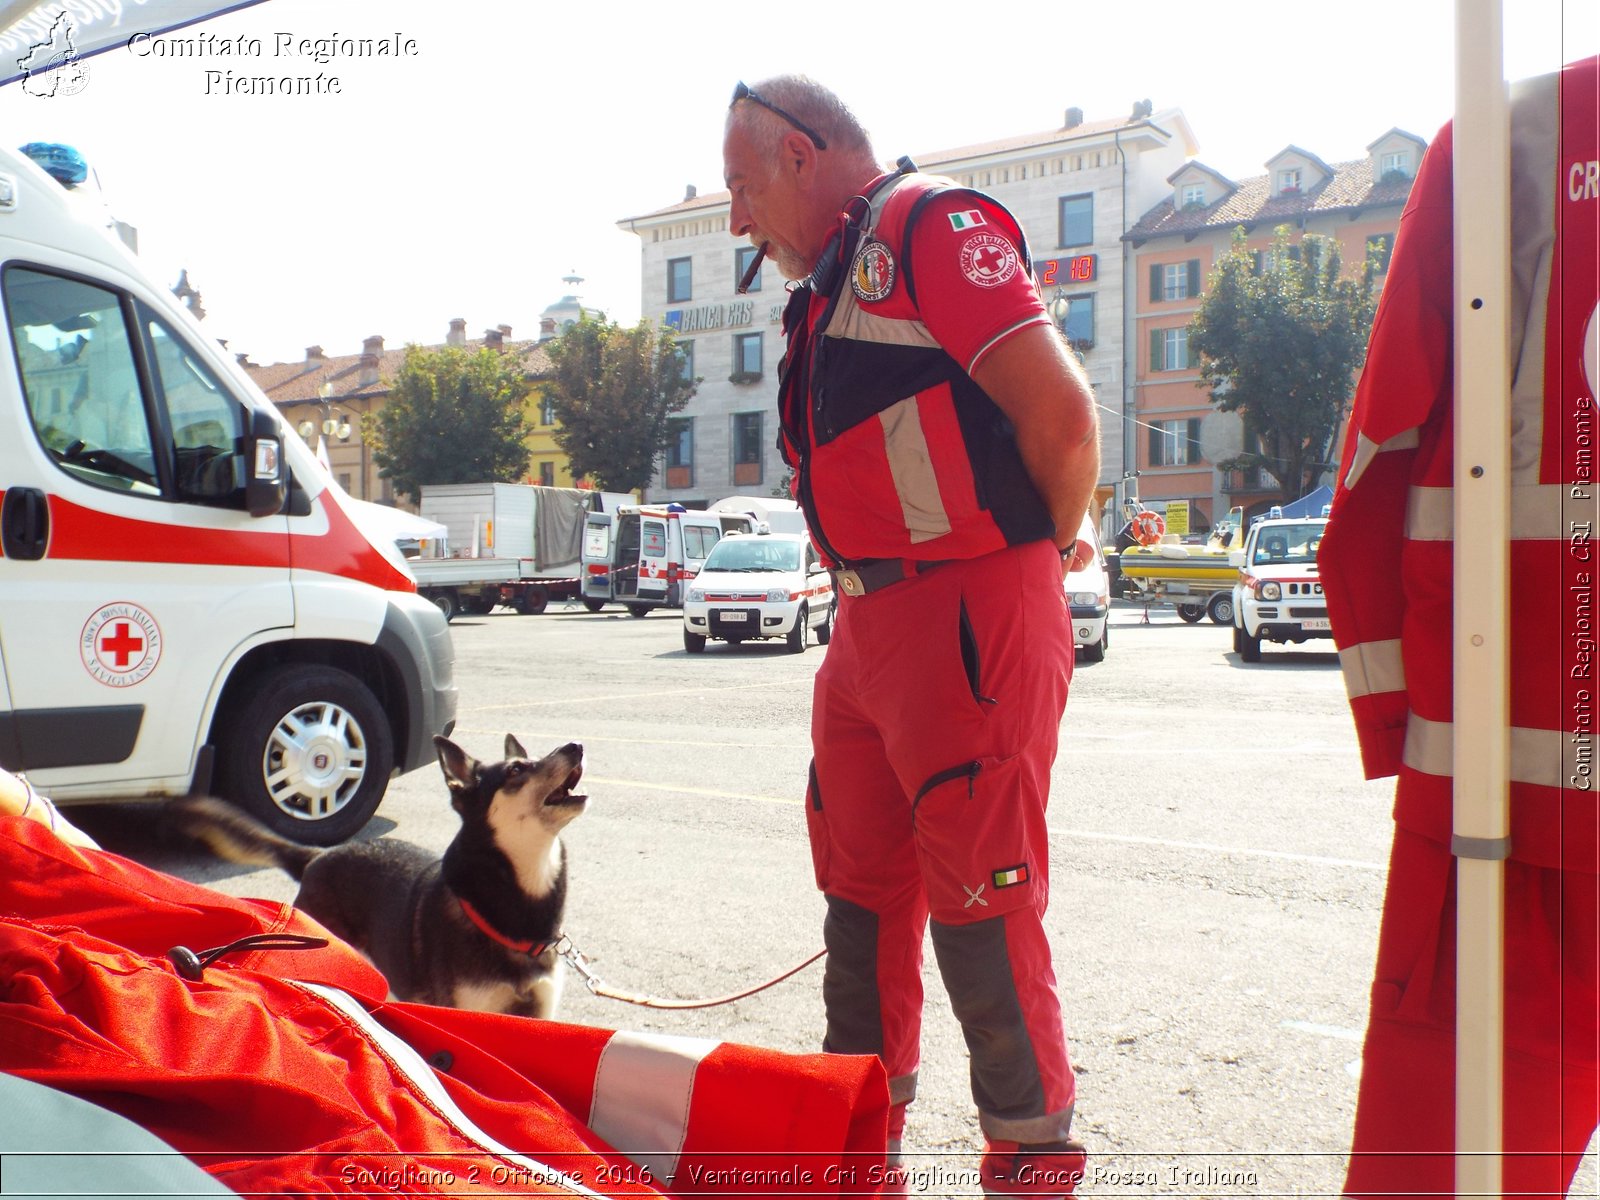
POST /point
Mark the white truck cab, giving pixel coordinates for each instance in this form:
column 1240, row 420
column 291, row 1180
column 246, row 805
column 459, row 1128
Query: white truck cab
column 186, row 602
column 1279, row 596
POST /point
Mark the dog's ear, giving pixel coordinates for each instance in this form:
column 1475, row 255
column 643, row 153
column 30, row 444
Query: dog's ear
column 514, row 748
column 460, row 768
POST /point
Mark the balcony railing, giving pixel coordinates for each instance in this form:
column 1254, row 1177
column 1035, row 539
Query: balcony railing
column 1250, row 479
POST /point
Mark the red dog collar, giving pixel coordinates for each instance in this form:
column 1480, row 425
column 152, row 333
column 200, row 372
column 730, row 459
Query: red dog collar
column 531, row 949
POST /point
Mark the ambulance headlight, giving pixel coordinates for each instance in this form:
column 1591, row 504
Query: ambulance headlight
column 777, row 595
column 1085, row 599
column 1271, row 591
column 697, row 595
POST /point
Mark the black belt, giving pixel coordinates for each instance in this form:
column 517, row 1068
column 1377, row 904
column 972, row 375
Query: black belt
column 871, row 574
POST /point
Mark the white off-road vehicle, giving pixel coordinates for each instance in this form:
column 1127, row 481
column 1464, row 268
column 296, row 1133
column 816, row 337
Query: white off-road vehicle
column 1279, row 594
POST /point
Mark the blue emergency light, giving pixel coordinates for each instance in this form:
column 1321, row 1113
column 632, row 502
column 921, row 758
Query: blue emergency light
column 62, row 163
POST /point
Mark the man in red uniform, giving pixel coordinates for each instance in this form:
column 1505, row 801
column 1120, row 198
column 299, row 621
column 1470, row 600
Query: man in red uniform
column 1392, row 521
column 945, row 445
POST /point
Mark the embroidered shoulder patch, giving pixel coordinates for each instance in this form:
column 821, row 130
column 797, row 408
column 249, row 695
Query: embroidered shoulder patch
column 970, row 219
column 872, row 273
column 988, row 260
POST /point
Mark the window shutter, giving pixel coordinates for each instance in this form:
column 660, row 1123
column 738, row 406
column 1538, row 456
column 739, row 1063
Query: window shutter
column 1155, row 351
column 1155, row 283
column 1155, row 447
column 1194, row 277
column 1194, row 439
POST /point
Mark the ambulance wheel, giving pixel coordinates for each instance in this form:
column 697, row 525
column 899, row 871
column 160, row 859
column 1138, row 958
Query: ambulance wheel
column 638, row 610
column 307, row 752
column 795, row 639
column 694, row 643
column 533, row 601
column 592, row 604
column 825, row 630
column 445, row 601
column 1096, row 651
column 1191, row 613
column 1220, row 609
column 1248, row 648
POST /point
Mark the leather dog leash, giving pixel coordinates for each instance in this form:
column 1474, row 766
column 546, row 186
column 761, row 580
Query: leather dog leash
column 592, row 981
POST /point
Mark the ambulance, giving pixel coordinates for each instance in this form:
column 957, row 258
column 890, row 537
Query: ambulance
column 188, row 603
column 643, row 556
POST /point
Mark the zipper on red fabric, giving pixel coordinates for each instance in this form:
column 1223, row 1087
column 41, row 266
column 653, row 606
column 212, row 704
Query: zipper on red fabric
column 968, row 771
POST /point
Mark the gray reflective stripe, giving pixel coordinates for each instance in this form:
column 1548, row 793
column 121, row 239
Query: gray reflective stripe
column 1535, row 138
column 1367, row 449
column 850, row 320
column 911, row 466
column 1488, row 849
column 643, row 1088
column 1539, row 512
column 903, row 1089
column 1372, row 668
column 1542, row 757
column 422, row 1077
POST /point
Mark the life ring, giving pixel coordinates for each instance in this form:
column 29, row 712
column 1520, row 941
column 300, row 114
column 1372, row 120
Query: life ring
column 1148, row 527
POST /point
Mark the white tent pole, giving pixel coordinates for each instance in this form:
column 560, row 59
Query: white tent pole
column 1481, row 752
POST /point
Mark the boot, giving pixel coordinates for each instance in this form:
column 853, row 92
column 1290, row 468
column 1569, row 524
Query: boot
column 1039, row 1171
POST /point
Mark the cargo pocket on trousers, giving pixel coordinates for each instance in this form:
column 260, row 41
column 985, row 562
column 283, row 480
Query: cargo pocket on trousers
column 972, row 836
column 817, row 828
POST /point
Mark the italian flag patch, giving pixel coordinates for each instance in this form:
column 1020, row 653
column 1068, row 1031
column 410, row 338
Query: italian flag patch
column 970, row 219
column 1011, row 876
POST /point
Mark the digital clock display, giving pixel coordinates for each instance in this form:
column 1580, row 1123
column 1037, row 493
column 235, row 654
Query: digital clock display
column 1080, row 268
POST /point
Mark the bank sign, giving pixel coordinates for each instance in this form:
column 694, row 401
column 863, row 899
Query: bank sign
column 715, row 316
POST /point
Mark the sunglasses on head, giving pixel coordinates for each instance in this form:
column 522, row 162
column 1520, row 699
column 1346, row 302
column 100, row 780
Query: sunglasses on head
column 745, row 92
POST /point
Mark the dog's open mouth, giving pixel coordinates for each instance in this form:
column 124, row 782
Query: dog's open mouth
column 565, row 794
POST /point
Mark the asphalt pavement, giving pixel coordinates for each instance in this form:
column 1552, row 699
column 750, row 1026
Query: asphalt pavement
column 1217, row 871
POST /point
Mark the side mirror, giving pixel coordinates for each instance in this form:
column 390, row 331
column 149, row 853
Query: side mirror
column 1236, row 558
column 265, row 486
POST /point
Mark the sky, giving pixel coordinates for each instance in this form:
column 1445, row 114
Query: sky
column 467, row 177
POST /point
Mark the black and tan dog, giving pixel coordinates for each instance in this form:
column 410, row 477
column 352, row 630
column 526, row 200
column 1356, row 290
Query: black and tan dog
column 474, row 929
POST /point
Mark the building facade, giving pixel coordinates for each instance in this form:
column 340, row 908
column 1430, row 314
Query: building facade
column 1075, row 190
column 1177, row 242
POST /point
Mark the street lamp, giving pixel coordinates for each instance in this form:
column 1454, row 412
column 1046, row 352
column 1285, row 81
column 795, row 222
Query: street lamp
column 332, row 425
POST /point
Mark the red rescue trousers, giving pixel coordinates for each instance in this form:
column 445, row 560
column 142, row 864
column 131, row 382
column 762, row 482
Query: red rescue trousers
column 934, row 728
column 1405, row 1113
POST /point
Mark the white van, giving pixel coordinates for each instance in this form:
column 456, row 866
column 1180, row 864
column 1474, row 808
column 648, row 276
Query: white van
column 644, row 558
column 186, row 604
column 760, row 585
column 1088, row 591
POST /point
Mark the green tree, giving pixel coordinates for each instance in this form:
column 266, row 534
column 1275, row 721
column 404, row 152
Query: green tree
column 614, row 393
column 453, row 416
column 1280, row 338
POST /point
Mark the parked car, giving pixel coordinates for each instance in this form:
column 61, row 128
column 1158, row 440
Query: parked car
column 1279, row 594
column 1089, row 597
column 759, row 585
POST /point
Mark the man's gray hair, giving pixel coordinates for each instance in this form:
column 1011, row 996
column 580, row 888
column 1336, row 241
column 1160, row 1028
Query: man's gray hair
column 810, row 102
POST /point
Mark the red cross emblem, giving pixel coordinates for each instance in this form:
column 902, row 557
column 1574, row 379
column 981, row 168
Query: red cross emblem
column 121, row 644
column 988, row 260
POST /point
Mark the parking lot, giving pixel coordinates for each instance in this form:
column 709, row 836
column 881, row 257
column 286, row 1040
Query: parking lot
column 1217, row 869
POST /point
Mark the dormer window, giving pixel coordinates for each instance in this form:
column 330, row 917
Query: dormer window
column 1289, row 180
column 1193, row 196
column 1394, row 166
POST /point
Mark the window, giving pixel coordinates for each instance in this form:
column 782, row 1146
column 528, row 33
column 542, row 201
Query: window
column 547, row 474
column 680, row 452
column 547, row 411
column 208, row 424
column 698, row 540
column 1175, row 443
column 1289, row 179
column 685, row 358
column 1077, row 220
column 653, row 539
column 746, row 357
column 680, row 276
column 1169, row 349
column 747, row 448
column 171, row 431
column 1379, row 247
column 743, row 256
column 1079, row 322
column 1194, row 195
column 1175, row 281
column 1398, row 160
